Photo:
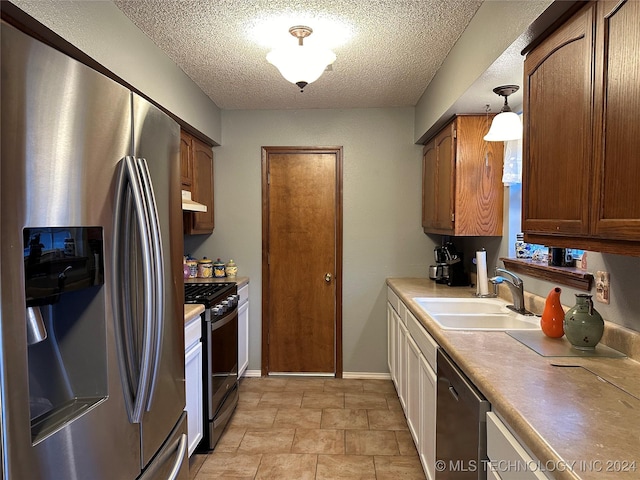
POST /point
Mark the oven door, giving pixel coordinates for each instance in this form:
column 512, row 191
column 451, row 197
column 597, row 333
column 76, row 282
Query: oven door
column 222, row 359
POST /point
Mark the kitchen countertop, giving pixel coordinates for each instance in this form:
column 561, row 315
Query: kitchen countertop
column 579, row 416
column 192, row 310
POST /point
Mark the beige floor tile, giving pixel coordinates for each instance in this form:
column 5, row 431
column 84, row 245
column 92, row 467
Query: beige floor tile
column 343, row 467
column 298, row 418
column 343, row 385
column 253, row 417
column 371, row 442
column 249, row 399
column 229, row 465
column 387, row 420
column 394, row 402
column 317, row 440
column 341, row 418
column 365, row 400
column 287, row 466
column 262, row 384
column 280, row 399
column 305, row 385
column 268, row 440
column 393, row 468
column 379, row 386
column 195, row 462
column 230, row 439
column 405, row 443
column 323, row 400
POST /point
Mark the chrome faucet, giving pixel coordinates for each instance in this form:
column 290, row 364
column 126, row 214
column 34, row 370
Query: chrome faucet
column 516, row 286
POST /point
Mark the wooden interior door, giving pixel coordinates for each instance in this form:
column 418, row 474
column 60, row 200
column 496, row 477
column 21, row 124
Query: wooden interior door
column 302, row 260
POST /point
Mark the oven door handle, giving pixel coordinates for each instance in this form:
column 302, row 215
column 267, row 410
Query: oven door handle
column 227, row 318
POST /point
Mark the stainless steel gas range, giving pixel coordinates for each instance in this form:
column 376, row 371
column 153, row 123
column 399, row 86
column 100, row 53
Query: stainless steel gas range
column 220, row 355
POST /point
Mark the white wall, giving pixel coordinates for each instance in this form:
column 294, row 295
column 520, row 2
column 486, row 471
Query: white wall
column 381, row 208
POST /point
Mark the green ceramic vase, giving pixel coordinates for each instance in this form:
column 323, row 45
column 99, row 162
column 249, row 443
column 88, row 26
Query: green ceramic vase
column 583, row 325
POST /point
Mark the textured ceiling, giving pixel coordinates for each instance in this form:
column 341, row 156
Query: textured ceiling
column 387, row 50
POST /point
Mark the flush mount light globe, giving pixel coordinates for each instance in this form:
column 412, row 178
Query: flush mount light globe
column 301, row 64
column 506, row 125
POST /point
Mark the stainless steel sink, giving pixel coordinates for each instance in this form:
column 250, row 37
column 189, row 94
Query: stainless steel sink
column 475, row 314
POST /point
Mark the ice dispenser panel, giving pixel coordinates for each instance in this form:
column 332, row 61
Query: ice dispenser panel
column 65, row 322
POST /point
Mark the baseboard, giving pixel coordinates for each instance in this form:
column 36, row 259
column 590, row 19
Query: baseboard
column 354, row 375
column 367, row 375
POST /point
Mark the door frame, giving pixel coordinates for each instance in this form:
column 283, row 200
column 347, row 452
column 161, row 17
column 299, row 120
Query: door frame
column 266, row 151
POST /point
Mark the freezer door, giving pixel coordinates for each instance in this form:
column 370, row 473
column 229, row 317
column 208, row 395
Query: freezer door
column 64, row 128
column 157, row 141
column 172, row 461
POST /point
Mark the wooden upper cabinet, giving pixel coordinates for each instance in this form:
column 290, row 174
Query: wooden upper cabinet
column 186, row 160
column 557, row 141
column 198, row 157
column 582, row 132
column 617, row 156
column 462, row 191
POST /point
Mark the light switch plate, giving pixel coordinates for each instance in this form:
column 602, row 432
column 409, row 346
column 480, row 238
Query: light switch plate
column 603, row 287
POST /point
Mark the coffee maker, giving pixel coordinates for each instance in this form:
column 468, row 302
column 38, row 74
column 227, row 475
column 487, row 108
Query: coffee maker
column 449, row 267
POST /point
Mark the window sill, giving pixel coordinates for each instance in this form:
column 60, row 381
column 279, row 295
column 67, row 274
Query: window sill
column 570, row 276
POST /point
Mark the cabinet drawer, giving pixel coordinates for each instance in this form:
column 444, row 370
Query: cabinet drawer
column 507, row 455
column 393, row 299
column 428, row 346
column 244, row 294
column 192, row 332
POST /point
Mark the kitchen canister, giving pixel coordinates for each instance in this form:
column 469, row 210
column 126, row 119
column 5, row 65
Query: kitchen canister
column 205, row 268
column 218, row 269
column 193, row 268
column 552, row 319
column 231, row 269
column 583, row 325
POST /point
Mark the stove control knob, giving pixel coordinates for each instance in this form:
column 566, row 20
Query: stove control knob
column 233, row 301
column 217, row 311
column 224, row 305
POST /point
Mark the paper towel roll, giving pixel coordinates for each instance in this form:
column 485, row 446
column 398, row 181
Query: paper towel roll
column 481, row 263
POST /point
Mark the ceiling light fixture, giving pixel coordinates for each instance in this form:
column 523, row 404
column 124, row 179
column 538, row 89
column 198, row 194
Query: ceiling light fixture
column 506, row 125
column 301, row 64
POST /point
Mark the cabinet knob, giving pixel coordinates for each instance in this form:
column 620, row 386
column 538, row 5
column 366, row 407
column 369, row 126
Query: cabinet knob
column 327, row 277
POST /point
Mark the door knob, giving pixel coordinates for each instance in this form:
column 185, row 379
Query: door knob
column 327, row 278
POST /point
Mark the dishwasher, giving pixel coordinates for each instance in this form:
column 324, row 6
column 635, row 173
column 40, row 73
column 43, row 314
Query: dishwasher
column 461, row 425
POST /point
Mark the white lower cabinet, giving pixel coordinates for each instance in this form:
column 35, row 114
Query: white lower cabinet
column 508, row 458
column 413, row 389
column 411, row 355
column 193, row 382
column 243, row 330
column 427, row 433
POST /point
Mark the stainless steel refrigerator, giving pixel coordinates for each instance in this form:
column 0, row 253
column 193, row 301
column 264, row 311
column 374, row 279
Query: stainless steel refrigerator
column 91, row 319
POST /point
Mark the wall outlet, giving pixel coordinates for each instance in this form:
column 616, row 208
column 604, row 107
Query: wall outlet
column 603, row 287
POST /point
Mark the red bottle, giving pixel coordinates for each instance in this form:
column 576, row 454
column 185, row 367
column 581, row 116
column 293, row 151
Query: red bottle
column 553, row 315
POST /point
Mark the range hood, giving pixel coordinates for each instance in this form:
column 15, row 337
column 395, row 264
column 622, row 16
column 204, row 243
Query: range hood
column 189, row 205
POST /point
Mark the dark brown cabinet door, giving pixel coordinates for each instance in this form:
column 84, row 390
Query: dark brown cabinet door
column 445, row 180
column 186, row 160
column 429, row 169
column 202, row 187
column 462, row 192
column 557, row 142
column 617, row 172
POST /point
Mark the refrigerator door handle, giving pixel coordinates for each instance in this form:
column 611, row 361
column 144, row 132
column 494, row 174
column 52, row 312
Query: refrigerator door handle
column 157, row 278
column 182, row 448
column 130, row 196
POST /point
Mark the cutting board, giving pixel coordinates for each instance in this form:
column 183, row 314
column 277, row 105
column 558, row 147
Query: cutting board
column 559, row 347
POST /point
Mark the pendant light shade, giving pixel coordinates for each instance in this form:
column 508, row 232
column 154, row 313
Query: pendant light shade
column 506, row 125
column 301, row 64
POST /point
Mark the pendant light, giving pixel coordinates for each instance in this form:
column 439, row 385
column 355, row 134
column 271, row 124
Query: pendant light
column 506, row 125
column 301, row 64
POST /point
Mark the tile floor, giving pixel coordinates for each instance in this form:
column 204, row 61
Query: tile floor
column 313, row 428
